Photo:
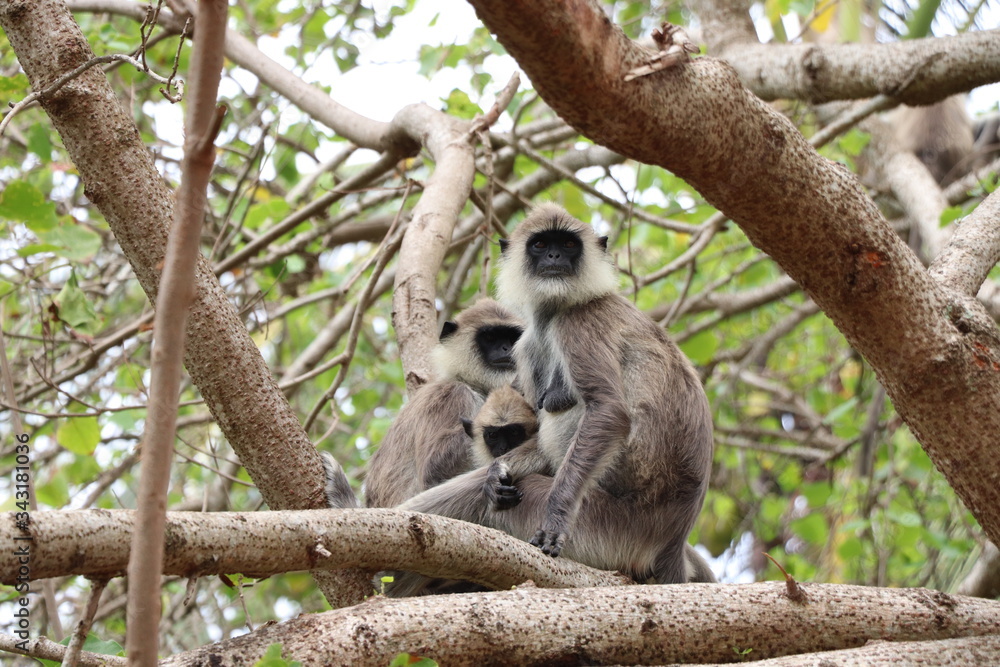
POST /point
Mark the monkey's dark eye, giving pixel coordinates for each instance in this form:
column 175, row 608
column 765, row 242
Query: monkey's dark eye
column 539, row 245
column 569, row 244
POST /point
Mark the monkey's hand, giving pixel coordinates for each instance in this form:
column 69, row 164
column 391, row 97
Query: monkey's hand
column 499, row 488
column 550, row 541
column 557, row 401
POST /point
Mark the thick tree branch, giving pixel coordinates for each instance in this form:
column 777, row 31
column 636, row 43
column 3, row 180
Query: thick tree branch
column 652, row 625
column 95, row 543
column 414, row 313
column 930, row 350
column 918, row 71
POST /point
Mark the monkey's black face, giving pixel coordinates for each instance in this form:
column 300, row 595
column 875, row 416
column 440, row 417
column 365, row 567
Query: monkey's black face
column 554, row 253
column 496, row 346
column 501, row 439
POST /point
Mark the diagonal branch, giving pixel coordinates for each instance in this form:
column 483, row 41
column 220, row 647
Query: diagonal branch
column 973, row 251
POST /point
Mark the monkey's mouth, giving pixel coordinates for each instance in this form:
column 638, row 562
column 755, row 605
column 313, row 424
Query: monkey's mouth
column 503, row 364
column 553, row 272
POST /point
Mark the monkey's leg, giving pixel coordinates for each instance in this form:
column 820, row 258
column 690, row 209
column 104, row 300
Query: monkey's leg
column 610, row 533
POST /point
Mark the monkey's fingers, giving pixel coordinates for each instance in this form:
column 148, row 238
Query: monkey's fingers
column 499, row 489
column 506, row 497
column 551, row 543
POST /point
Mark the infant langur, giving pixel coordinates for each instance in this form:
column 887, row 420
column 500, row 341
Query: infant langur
column 505, row 422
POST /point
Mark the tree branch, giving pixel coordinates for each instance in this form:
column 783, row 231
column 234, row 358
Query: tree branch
column 973, row 251
column 653, row 625
column 917, row 71
column 95, row 543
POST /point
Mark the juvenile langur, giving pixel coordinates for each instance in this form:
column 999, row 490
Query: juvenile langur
column 505, row 422
column 427, row 444
column 623, row 420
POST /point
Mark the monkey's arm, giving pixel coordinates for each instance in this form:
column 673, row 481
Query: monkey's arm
column 594, row 368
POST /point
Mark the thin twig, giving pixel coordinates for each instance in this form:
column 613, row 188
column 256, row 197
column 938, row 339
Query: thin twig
column 72, row 655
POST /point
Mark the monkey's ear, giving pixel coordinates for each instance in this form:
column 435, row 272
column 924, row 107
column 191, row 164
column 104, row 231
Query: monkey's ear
column 467, row 426
column 603, row 241
column 503, row 245
column 448, row 329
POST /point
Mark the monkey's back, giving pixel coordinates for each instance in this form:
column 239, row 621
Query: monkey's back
column 424, row 446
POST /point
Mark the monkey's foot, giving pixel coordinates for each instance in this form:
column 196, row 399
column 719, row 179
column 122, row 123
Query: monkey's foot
column 551, row 543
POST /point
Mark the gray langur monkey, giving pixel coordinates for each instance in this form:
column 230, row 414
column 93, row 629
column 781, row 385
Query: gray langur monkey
column 624, row 422
column 426, row 443
column 940, row 135
column 507, row 423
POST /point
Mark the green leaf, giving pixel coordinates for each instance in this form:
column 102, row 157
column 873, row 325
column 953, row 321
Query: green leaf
column 907, row 518
column 54, row 493
column 40, row 141
column 802, row 7
column 817, row 493
column 272, row 658
column 270, row 211
column 36, row 248
column 17, row 84
column 72, row 240
column 75, row 308
column 854, row 141
column 23, row 202
column 701, row 348
column 407, row 660
column 951, row 214
column 850, row 548
column 811, row 528
column 79, row 435
column 459, row 104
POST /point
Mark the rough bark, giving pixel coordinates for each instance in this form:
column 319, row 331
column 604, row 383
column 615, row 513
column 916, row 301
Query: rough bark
column 95, row 543
column 651, row 625
column 932, row 348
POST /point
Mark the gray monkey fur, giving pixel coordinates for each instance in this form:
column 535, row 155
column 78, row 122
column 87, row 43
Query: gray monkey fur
column 632, row 452
column 426, row 444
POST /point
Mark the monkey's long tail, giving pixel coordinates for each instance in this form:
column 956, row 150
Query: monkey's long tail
column 339, row 494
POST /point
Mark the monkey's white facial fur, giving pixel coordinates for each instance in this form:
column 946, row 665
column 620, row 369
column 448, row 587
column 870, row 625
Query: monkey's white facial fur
column 584, row 272
column 476, row 349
